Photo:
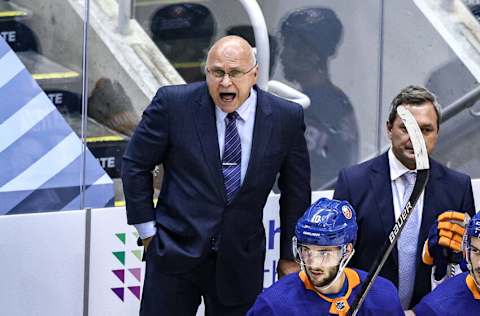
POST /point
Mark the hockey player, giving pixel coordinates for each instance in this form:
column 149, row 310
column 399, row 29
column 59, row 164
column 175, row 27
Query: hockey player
column 459, row 295
column 323, row 245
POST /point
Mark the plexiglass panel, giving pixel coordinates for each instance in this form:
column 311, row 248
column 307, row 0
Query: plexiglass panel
column 351, row 58
column 417, row 51
column 41, row 80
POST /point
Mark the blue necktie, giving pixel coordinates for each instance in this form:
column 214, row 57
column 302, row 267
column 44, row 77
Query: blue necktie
column 407, row 246
column 232, row 157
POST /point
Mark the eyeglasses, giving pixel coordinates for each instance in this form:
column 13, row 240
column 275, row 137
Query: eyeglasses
column 233, row 75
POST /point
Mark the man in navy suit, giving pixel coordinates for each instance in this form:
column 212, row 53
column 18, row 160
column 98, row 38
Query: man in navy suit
column 222, row 144
column 378, row 187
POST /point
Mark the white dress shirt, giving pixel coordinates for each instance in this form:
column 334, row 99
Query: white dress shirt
column 397, row 169
column 245, row 124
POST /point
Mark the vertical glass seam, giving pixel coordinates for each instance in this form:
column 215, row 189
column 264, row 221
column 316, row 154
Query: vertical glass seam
column 380, row 76
column 84, row 102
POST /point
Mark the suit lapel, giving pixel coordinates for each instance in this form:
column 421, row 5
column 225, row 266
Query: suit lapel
column 428, row 213
column 261, row 135
column 382, row 189
column 204, row 114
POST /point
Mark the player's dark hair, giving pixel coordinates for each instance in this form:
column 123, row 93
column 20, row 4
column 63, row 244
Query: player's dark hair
column 415, row 96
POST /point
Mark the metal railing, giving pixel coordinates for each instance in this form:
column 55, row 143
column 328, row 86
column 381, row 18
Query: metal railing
column 464, row 102
column 126, row 12
column 263, row 57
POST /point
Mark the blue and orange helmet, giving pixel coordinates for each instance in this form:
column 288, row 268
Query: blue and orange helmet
column 327, row 222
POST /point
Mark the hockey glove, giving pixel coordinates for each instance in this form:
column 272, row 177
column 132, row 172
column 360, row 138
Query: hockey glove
column 444, row 243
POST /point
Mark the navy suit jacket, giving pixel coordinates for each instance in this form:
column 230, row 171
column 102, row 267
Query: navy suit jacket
column 367, row 187
column 178, row 130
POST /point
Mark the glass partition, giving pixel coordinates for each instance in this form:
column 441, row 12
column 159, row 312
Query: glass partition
column 416, row 51
column 318, row 47
column 350, row 58
column 326, row 50
column 41, row 148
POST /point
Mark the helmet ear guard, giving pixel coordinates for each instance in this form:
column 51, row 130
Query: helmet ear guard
column 295, row 253
column 466, row 255
column 465, row 246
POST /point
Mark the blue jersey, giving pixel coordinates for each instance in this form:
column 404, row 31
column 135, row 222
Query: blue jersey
column 456, row 296
column 294, row 295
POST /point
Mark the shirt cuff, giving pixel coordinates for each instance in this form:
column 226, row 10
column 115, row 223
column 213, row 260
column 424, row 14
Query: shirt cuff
column 146, row 230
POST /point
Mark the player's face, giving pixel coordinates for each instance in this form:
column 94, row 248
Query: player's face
column 322, row 276
column 475, row 257
column 321, row 263
column 401, row 145
column 230, row 91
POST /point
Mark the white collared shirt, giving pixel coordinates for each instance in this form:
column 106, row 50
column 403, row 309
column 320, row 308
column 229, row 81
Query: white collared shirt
column 397, row 169
column 245, row 124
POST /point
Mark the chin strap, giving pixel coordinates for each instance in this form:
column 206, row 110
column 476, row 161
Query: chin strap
column 470, row 268
column 342, row 266
column 466, row 252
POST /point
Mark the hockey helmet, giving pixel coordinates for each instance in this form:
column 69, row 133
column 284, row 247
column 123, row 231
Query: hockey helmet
column 327, row 223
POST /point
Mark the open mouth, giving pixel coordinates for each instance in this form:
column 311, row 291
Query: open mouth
column 227, row 96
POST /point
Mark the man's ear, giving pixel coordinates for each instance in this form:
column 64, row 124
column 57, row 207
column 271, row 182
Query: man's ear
column 389, row 126
column 349, row 247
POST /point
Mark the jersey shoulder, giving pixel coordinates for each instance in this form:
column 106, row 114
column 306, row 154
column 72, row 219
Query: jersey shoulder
column 452, row 297
column 288, row 297
column 382, row 299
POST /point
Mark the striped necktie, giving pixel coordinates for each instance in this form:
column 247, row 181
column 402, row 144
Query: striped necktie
column 232, row 157
column 407, row 246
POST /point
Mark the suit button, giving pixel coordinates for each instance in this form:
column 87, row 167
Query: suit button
column 213, row 243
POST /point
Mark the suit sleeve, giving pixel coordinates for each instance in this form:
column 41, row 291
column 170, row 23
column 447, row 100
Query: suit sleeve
column 145, row 150
column 341, row 188
column 468, row 203
column 294, row 185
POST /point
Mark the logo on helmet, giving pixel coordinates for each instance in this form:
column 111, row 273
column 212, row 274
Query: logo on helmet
column 316, row 218
column 473, row 227
column 347, row 212
column 477, row 229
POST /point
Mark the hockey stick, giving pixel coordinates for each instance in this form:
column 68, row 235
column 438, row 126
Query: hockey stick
column 421, row 160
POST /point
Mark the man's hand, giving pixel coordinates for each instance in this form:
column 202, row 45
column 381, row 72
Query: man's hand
column 285, row 267
column 146, row 242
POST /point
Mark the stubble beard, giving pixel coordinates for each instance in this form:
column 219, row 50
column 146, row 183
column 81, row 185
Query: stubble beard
column 329, row 275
